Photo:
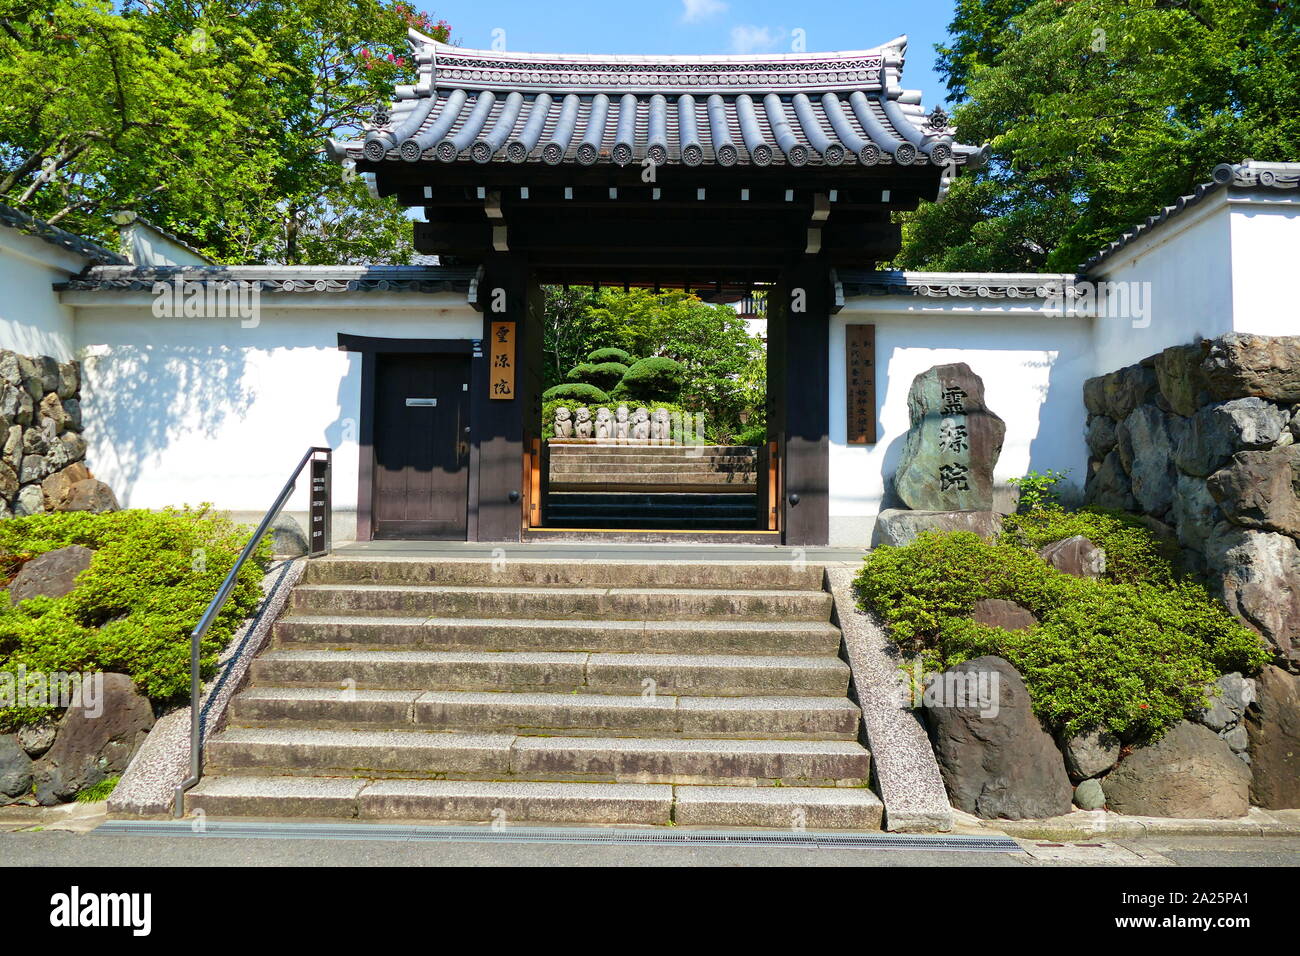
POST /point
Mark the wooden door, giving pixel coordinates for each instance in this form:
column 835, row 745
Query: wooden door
column 421, row 482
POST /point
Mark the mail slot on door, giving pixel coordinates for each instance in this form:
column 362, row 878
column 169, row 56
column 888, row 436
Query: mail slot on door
column 421, row 402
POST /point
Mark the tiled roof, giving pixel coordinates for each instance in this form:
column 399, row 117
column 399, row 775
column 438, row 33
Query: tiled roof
column 958, row 285
column 296, row 279
column 1249, row 175
column 795, row 109
column 16, row 219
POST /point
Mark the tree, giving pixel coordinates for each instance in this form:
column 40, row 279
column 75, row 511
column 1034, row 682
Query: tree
column 213, row 124
column 1100, row 112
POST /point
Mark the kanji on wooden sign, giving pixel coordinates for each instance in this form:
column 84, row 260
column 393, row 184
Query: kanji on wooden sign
column 501, row 361
column 860, row 383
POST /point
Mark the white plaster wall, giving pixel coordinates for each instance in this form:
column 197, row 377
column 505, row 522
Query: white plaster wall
column 1265, row 251
column 32, row 320
column 1033, row 366
column 184, row 411
column 1188, row 263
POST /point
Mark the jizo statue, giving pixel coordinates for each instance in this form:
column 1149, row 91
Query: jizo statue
column 583, row 427
column 603, row 423
column 621, row 424
column 641, row 424
column 660, row 428
column 563, row 423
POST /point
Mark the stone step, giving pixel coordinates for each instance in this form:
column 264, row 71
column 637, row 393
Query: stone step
column 785, row 718
column 669, row 479
column 414, row 753
column 632, row 457
column 708, row 675
column 515, row 569
column 531, row 802
column 705, row 522
column 814, row 808
column 620, row 604
column 582, row 466
column 497, row 634
column 559, row 449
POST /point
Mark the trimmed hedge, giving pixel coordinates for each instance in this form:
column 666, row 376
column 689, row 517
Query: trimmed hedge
column 132, row 611
column 652, row 380
column 610, row 355
column 1133, row 653
column 603, row 375
column 575, row 393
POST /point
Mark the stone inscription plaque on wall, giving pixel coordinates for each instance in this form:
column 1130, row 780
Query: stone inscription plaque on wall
column 860, row 383
column 501, row 361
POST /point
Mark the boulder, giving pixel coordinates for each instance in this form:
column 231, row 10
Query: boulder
column 35, row 441
column 1258, row 577
column 1273, row 725
column 69, row 379
column 52, row 574
column 1229, row 696
column 1189, row 773
column 10, row 370
column 46, row 370
column 952, row 445
column 1215, row 432
column 75, row 444
column 91, row 495
column 34, row 469
column 287, row 538
column 52, row 410
column 1088, row 795
column 1076, row 555
column 1118, row 393
column 1178, row 377
column 15, row 404
column 13, row 447
column 72, row 414
column 89, row 747
column 1091, row 754
column 897, row 526
column 1100, row 435
column 57, row 488
column 30, row 501
column 1008, row 615
column 37, row 738
column 1267, row 366
column 1237, row 739
column 997, row 762
column 1259, row 489
column 1109, row 486
column 8, row 481
column 15, row 768
column 1194, row 512
column 1146, row 448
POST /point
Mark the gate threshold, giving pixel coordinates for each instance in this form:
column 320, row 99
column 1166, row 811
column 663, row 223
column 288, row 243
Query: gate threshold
column 652, row 536
column 486, row 833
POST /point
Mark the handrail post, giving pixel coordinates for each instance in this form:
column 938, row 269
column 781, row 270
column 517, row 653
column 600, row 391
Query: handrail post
column 223, row 593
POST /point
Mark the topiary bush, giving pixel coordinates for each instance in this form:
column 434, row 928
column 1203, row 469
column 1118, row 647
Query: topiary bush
column 576, row 393
column 610, row 355
column 1133, row 656
column 603, row 375
column 132, row 611
column 652, row 380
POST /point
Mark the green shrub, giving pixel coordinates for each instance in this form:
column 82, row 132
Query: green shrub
column 1133, row 552
column 1132, row 656
column 99, row 791
column 610, row 355
column 754, row 436
column 604, row 375
column 1038, row 491
column 150, row 580
column 652, row 380
column 575, row 393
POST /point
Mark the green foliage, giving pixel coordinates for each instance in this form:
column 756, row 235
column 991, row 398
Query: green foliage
column 753, row 435
column 603, row 375
column 1038, row 491
column 574, row 392
column 209, row 119
column 651, row 380
column 1099, row 113
column 132, row 611
column 1131, row 656
column 98, row 791
column 610, row 355
column 1133, row 553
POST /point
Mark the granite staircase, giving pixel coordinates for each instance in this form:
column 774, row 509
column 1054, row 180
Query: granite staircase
column 652, row 487
column 537, row 691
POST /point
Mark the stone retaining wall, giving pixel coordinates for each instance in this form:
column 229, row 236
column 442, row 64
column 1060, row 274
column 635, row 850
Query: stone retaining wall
column 42, row 462
column 1204, row 440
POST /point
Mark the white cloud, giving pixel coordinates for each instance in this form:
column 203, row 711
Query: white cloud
column 693, row 11
column 751, row 39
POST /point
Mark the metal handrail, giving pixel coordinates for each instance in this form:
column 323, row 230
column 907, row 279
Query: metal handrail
column 322, row 505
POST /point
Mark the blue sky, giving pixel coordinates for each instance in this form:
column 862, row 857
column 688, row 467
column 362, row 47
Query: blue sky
column 705, row 26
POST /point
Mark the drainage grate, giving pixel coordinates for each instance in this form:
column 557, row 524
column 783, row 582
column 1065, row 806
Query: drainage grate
column 573, row 835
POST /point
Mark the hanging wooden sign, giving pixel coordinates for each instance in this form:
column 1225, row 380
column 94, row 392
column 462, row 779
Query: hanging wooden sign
column 501, row 361
column 860, row 383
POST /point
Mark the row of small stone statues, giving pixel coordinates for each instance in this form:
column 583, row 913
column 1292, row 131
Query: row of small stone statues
column 621, row 424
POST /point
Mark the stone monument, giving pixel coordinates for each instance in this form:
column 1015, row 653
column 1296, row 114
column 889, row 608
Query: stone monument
column 563, row 423
column 621, row 423
column 953, row 443
column 583, row 427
